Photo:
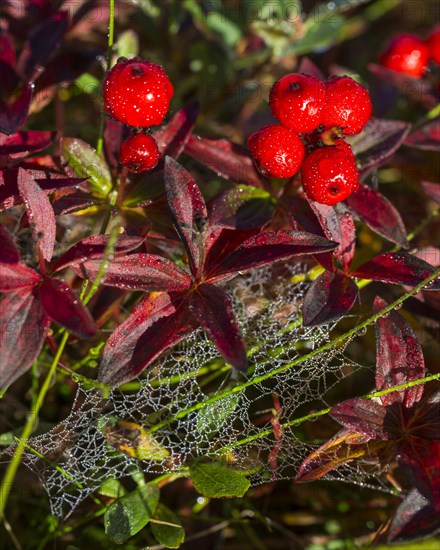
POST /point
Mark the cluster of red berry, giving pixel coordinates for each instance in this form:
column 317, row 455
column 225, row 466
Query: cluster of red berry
column 138, row 93
column 409, row 54
column 315, row 117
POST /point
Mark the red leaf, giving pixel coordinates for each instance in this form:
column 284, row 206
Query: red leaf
column 378, row 141
column 241, row 207
column 64, row 307
column 139, row 272
column 43, row 41
column 419, row 89
column 21, row 144
column 9, row 253
column 427, row 137
column 362, row 416
column 414, row 519
column 212, row 308
column 156, row 324
column 338, row 225
column 228, row 160
column 113, row 136
column 14, row 116
column 92, row 248
column 267, row 248
column 423, row 459
column 17, row 276
column 399, row 357
column 22, row 329
column 188, row 211
column 328, row 298
column 432, row 190
column 173, row 137
column 378, row 213
column 7, row 53
column 399, row 268
column 39, row 211
column 9, row 194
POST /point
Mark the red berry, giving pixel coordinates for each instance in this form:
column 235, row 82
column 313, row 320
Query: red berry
column 139, row 153
column 406, row 54
column 329, row 175
column 433, row 44
column 348, row 105
column 278, row 151
column 297, row 101
column 137, row 92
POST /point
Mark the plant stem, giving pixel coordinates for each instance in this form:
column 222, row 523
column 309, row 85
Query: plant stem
column 111, row 36
column 11, row 471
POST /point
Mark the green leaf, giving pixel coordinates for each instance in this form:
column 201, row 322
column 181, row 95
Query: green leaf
column 89, row 84
column 212, row 417
column 128, row 44
column 112, row 488
column 166, row 527
column 223, row 26
column 128, row 515
column 6, row 439
column 216, row 480
column 87, row 164
column 321, row 30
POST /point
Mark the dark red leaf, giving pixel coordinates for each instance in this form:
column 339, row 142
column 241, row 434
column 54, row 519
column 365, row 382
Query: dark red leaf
column 22, row 329
column 423, row 459
column 40, row 212
column 9, row 253
column 399, row 357
column 267, row 248
column 173, row 137
column 113, row 136
column 399, row 268
column 7, row 53
column 221, row 242
column 92, row 248
column 425, row 422
column 63, row 306
column 139, row 272
column 63, row 69
column 378, row 213
column 328, row 298
column 75, row 202
column 49, row 182
column 156, row 324
column 13, row 116
column 188, row 211
column 417, row 89
column 228, row 160
column 212, row 308
column 43, row 41
column 415, row 518
column 241, row 207
column 362, row 416
column 432, row 190
column 16, row 276
column 427, row 137
column 21, row 144
column 338, row 225
column 378, row 142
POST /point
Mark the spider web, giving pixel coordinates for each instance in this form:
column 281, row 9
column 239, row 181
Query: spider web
column 191, row 405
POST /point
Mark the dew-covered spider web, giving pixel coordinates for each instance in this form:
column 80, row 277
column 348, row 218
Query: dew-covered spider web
column 190, row 405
